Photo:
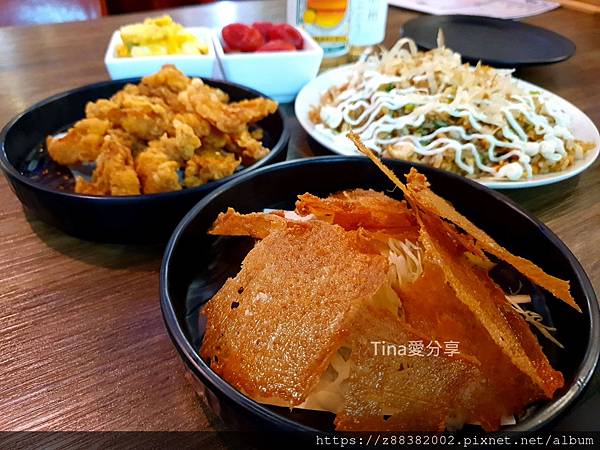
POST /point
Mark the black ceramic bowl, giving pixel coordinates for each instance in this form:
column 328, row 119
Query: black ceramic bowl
column 128, row 219
column 196, row 265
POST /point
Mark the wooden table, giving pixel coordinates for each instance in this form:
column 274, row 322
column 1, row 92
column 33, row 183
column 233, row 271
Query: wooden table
column 82, row 341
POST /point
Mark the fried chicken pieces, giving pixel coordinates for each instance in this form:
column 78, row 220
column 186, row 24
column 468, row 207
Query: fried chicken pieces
column 81, row 144
column 164, row 134
column 300, row 324
column 114, row 173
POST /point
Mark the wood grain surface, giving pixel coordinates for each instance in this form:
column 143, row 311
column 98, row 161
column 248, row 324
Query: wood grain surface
column 82, row 341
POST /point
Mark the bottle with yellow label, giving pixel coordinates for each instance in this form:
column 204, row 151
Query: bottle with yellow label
column 328, row 22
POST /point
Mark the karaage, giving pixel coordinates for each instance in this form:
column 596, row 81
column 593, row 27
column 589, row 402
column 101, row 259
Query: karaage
column 114, row 174
column 165, row 133
column 209, row 165
column 81, row 144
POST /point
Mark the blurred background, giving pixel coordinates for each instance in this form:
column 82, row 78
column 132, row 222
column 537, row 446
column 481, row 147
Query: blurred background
column 31, row 12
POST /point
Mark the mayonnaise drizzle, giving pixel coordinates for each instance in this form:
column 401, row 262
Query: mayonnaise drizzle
column 370, row 98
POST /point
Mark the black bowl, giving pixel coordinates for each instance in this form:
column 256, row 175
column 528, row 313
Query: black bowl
column 196, row 265
column 128, row 219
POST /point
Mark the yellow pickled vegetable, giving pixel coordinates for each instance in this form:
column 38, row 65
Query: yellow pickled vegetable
column 158, row 36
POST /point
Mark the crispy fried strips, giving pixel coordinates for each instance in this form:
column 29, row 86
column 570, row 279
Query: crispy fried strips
column 429, row 201
column 493, row 385
column 409, row 393
column 487, row 303
column 432, row 308
column 418, row 193
column 256, row 225
column 358, row 209
column 298, row 325
column 273, row 328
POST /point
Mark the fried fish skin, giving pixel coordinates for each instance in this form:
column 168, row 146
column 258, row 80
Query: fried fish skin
column 157, row 173
column 359, row 208
column 81, row 144
column 114, row 173
column 256, row 225
column 487, row 302
column 209, row 165
column 499, row 371
column 427, row 200
column 420, row 196
column 409, row 393
column 309, row 263
column 284, row 318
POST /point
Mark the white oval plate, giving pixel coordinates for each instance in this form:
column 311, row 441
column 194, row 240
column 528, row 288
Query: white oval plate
column 581, row 126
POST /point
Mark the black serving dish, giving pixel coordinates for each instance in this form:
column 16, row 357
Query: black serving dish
column 196, row 265
column 127, row 219
column 497, row 42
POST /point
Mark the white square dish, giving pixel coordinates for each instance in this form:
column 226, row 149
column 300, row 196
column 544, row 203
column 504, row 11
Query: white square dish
column 279, row 75
column 191, row 65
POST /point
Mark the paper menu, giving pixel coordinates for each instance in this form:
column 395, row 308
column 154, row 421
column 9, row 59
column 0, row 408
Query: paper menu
column 501, row 9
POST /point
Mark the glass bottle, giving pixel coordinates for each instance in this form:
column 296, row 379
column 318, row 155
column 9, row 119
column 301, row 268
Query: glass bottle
column 367, row 25
column 328, row 22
